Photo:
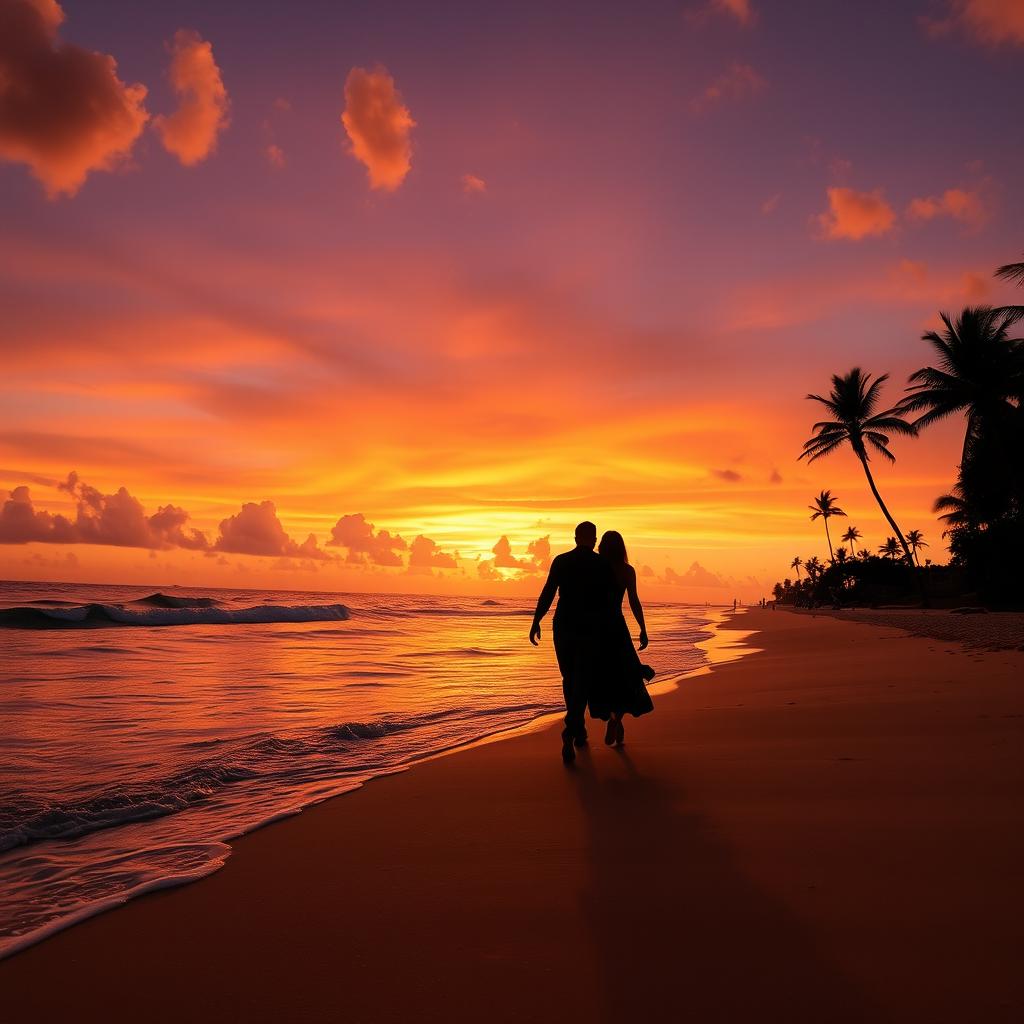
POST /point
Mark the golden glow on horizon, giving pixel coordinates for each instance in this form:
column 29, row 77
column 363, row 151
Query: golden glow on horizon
column 456, row 304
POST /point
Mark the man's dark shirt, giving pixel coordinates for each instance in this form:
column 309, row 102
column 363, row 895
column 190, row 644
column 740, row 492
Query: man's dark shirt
column 585, row 584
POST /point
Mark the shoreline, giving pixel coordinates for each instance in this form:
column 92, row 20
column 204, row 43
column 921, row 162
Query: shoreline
column 826, row 828
column 715, row 649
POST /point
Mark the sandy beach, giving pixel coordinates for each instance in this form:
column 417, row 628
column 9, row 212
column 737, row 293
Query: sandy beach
column 828, row 829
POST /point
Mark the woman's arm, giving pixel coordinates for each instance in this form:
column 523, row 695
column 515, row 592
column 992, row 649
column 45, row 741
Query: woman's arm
column 635, row 606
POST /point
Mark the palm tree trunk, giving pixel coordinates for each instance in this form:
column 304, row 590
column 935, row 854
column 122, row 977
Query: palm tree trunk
column 885, row 511
column 896, row 529
column 831, row 553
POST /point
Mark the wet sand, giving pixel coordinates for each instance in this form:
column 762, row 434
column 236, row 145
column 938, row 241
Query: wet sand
column 827, row 830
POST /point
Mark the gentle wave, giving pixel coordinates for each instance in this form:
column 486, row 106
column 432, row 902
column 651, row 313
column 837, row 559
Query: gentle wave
column 30, row 819
column 91, row 616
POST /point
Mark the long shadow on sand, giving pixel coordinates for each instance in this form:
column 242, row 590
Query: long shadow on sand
column 677, row 930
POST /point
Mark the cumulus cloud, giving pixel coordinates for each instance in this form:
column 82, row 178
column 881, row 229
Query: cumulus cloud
column 960, row 204
column 364, row 543
column 646, row 571
column 540, row 551
column 855, row 215
column 728, row 475
column 737, row 82
column 20, row 523
column 117, row 520
column 503, row 557
column 425, row 554
column 991, row 22
column 472, row 185
column 695, row 576
column 378, row 125
column 190, row 133
column 256, row 530
column 775, row 478
column 486, row 571
column 538, row 555
column 63, row 110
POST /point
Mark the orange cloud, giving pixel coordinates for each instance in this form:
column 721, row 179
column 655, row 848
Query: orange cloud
column 695, row 576
column 540, row 551
column 115, row 519
column 738, row 9
column 275, row 154
column 957, row 203
column 364, row 543
column 472, row 185
column 190, row 133
column 425, row 554
column 992, row 22
column 256, row 530
column 63, row 110
column 856, row 215
column 378, row 126
column 736, row 83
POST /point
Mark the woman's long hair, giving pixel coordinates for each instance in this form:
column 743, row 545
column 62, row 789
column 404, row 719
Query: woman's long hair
column 613, row 547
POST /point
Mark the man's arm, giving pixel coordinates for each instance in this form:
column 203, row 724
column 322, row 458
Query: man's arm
column 547, row 595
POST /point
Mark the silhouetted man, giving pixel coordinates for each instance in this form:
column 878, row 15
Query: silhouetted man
column 585, row 584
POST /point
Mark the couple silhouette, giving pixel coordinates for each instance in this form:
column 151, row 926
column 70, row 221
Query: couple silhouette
column 599, row 665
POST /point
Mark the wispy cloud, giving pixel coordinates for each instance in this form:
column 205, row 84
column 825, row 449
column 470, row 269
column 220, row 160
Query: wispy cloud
column 989, row 22
column 737, row 82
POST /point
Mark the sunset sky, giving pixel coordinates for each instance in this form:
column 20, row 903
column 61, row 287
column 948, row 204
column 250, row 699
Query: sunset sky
column 471, row 271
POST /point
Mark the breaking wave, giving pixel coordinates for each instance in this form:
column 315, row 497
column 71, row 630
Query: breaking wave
column 161, row 610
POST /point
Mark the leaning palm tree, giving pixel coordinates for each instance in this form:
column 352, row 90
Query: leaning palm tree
column 915, row 538
column 979, row 371
column 854, row 421
column 851, row 537
column 795, row 564
column 890, row 549
column 825, row 508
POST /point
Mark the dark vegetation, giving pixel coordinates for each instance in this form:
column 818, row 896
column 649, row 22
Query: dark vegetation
column 977, row 372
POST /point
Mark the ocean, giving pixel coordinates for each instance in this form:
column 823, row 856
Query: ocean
column 141, row 730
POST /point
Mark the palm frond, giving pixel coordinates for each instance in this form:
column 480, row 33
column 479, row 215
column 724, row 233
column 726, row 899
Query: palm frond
column 1012, row 272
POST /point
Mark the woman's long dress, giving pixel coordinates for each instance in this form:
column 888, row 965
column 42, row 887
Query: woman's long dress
column 618, row 685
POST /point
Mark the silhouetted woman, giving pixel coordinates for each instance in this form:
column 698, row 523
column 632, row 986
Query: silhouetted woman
column 619, row 689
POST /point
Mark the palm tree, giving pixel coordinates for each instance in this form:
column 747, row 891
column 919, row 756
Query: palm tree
column 851, row 537
column 812, row 567
column 795, row 564
column 890, row 549
column 841, row 555
column 915, row 538
column 1012, row 272
column 825, row 507
column 980, row 372
column 863, row 554
column 852, row 404
column 955, row 508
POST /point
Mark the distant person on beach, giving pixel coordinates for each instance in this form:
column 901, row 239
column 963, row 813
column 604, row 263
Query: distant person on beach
column 585, row 584
column 619, row 686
